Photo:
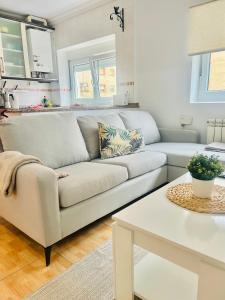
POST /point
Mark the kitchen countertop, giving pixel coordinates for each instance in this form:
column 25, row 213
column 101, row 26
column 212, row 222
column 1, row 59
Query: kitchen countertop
column 69, row 108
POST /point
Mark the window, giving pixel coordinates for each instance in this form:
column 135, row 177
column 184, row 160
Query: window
column 94, row 80
column 208, row 78
column 217, row 72
column 107, row 78
column 83, row 82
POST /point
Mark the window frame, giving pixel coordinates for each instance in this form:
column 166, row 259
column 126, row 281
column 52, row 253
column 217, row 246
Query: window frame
column 200, row 80
column 93, row 60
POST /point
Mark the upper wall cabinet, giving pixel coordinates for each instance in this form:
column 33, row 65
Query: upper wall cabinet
column 40, row 51
column 26, row 52
column 13, row 52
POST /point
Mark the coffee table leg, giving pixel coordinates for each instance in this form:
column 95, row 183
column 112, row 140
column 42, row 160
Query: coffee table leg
column 123, row 269
column 211, row 283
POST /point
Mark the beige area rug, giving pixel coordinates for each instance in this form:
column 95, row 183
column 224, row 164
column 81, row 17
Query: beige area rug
column 89, row 279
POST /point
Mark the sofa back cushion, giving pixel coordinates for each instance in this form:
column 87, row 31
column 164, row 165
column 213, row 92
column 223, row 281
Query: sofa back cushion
column 144, row 121
column 54, row 138
column 89, row 129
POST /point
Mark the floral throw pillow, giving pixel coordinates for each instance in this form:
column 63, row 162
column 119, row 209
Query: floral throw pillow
column 118, row 142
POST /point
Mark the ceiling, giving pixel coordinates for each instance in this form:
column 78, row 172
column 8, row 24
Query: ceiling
column 42, row 8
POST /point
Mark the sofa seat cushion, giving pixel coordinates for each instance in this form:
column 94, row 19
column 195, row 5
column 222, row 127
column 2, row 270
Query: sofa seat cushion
column 144, row 121
column 89, row 129
column 88, row 179
column 54, row 138
column 178, row 154
column 139, row 163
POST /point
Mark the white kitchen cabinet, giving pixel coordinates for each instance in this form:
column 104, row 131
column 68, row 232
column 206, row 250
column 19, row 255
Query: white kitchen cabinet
column 14, row 60
column 40, row 50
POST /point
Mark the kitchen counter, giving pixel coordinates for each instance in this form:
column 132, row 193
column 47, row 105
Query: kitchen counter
column 68, row 108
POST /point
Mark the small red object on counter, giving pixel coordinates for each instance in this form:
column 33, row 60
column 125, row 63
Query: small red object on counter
column 36, row 107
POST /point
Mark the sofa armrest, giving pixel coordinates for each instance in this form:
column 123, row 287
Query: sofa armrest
column 34, row 208
column 178, row 135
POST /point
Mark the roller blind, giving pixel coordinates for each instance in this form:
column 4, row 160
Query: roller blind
column 207, row 27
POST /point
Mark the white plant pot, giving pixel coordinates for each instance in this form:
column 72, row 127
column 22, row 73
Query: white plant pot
column 202, row 188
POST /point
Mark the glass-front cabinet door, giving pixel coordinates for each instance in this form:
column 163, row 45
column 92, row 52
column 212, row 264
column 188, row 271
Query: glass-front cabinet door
column 14, row 60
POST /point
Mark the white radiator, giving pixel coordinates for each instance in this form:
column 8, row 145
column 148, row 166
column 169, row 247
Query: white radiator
column 216, row 131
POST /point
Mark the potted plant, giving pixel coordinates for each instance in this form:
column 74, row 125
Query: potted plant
column 204, row 169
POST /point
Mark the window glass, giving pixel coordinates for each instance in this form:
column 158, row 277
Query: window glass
column 107, row 78
column 83, row 82
column 217, row 72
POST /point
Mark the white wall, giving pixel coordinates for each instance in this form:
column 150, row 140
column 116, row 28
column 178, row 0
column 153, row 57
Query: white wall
column 163, row 68
column 93, row 50
column 30, row 92
column 95, row 24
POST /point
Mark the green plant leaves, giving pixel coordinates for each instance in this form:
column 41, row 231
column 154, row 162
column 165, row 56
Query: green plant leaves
column 204, row 167
column 125, row 135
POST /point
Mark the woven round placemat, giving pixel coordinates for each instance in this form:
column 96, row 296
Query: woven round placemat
column 182, row 195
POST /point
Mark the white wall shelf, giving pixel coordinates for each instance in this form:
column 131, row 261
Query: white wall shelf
column 12, row 50
column 13, row 66
column 40, row 80
column 11, row 35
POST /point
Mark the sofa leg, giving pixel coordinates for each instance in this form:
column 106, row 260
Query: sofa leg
column 48, row 255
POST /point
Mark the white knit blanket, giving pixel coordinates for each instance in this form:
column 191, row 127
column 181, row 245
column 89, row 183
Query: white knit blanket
column 10, row 162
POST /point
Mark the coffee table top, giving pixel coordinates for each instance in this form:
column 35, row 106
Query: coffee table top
column 155, row 214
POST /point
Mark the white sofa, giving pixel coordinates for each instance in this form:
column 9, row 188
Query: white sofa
column 48, row 209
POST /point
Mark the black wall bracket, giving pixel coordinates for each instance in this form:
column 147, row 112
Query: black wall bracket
column 119, row 14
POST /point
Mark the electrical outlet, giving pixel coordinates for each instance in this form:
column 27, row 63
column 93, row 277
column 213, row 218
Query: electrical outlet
column 186, row 120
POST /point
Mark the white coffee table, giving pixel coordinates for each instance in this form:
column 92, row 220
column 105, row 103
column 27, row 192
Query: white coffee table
column 186, row 259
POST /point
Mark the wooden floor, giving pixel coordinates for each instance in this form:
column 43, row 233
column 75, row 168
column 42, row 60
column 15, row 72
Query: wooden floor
column 22, row 266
